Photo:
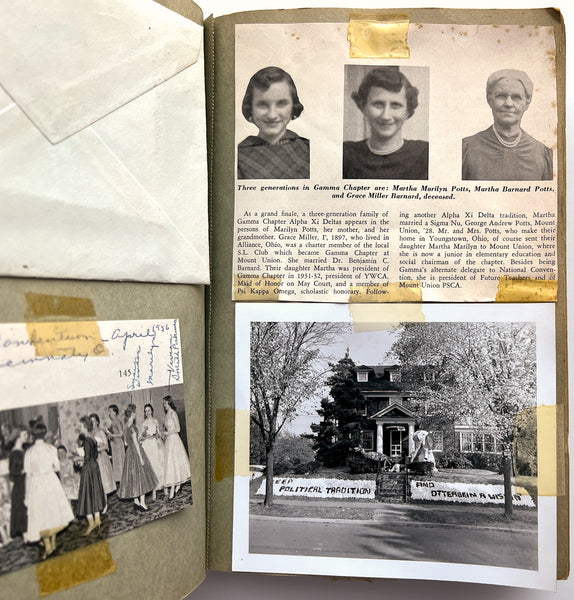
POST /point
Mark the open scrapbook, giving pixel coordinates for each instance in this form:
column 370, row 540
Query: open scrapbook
column 282, row 292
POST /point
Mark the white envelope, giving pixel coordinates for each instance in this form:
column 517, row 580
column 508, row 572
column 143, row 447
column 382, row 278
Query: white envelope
column 103, row 169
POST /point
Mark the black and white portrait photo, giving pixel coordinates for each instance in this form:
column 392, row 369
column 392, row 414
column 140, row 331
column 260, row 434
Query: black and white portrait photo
column 505, row 151
column 383, row 139
column 270, row 103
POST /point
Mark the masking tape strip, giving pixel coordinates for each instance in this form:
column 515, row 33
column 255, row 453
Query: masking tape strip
column 382, row 317
column 255, row 288
column 523, row 289
column 224, row 442
column 75, row 568
column 47, row 305
column 69, row 338
column 392, row 291
column 242, row 445
column 231, row 457
column 550, row 465
column 385, row 37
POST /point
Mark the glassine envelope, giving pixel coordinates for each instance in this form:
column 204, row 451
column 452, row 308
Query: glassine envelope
column 103, row 169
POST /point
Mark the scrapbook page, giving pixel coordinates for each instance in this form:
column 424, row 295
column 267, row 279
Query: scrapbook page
column 423, row 171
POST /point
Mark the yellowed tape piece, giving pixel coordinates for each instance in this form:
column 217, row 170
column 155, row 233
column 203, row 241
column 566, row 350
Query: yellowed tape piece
column 393, row 291
column 377, row 317
column 255, row 288
column 242, row 429
column 523, row 289
column 548, row 465
column 383, row 37
column 75, row 568
column 70, row 338
column 224, row 442
column 39, row 306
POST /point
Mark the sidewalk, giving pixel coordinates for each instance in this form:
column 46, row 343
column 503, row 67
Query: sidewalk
column 467, row 515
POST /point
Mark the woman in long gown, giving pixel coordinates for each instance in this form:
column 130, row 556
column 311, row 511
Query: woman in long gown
column 117, row 446
column 176, row 462
column 104, row 461
column 91, row 497
column 48, row 508
column 150, row 438
column 68, row 476
column 18, row 515
column 138, row 477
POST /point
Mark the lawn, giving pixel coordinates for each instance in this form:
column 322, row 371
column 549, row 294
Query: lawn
column 414, row 512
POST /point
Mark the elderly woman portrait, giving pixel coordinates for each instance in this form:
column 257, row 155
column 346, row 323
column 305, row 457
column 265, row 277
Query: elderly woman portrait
column 271, row 102
column 505, row 151
column 387, row 100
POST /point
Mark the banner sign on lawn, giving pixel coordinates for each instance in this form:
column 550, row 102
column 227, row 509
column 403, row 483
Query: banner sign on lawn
column 471, row 493
column 321, row 488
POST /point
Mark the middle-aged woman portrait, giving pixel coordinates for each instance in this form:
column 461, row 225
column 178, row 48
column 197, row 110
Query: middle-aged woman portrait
column 504, row 151
column 386, row 99
column 271, row 102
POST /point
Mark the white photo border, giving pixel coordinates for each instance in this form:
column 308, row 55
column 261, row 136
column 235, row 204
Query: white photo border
column 542, row 315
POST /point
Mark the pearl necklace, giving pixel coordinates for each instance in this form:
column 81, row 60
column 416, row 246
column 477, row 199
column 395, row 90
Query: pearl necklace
column 395, row 147
column 504, row 142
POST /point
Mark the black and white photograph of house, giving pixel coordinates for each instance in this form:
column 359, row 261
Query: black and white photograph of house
column 411, row 442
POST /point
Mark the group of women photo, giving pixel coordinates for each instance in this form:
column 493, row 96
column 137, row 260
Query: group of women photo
column 385, row 100
column 47, row 484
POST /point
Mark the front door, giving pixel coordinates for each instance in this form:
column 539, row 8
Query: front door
column 396, row 443
column 393, row 439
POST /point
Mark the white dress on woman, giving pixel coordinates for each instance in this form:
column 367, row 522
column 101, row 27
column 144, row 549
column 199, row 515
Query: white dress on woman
column 153, row 447
column 48, row 508
column 176, row 461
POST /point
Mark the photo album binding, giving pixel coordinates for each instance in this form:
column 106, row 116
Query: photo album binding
column 281, row 292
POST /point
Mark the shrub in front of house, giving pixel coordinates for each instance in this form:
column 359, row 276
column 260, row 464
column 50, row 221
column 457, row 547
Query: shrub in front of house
column 292, row 451
column 304, row 468
column 358, row 463
column 483, row 460
column 526, row 467
column 422, row 467
column 452, row 460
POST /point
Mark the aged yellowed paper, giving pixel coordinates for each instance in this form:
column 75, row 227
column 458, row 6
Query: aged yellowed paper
column 451, row 197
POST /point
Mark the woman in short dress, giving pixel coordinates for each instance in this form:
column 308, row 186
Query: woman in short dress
column 18, row 516
column 176, row 462
column 91, row 497
column 138, row 477
column 116, row 436
column 48, row 508
column 150, row 438
column 104, row 461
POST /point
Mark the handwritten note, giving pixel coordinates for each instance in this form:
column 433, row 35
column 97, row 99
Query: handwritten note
column 45, row 362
